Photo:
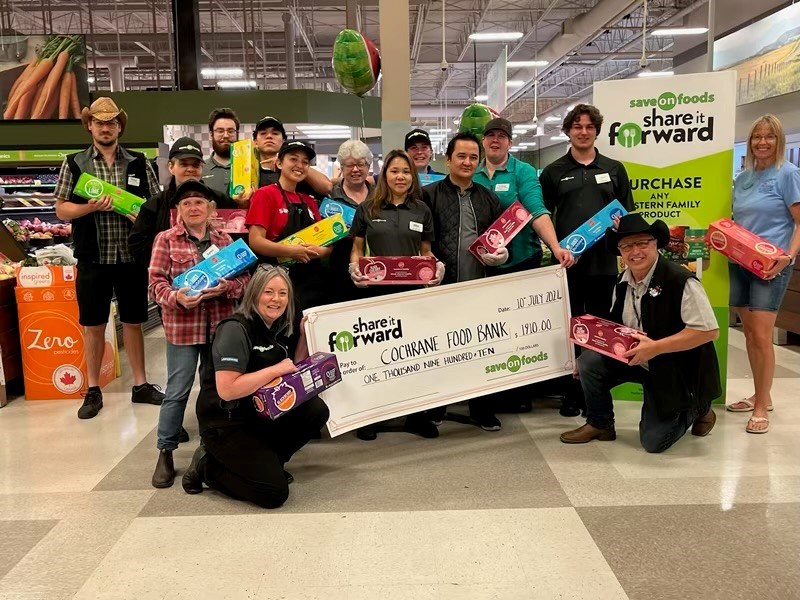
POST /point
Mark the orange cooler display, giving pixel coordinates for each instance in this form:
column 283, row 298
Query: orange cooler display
column 53, row 360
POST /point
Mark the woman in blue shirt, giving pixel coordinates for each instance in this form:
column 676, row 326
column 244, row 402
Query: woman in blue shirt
column 766, row 201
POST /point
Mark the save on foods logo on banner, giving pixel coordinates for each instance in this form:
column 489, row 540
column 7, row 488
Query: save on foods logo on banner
column 675, row 137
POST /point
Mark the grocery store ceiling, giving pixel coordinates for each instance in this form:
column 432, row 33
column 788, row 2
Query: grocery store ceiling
column 583, row 41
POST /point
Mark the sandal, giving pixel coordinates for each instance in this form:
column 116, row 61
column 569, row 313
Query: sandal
column 748, row 405
column 753, row 421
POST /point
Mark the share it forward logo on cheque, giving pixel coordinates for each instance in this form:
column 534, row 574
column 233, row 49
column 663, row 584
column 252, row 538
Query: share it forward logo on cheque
column 363, row 333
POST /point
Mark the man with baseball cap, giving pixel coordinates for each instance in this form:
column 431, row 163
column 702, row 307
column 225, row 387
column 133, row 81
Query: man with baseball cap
column 269, row 136
column 106, row 266
column 185, row 163
column 674, row 360
column 419, row 148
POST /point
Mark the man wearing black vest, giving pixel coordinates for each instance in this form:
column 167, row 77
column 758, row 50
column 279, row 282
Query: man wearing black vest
column 100, row 238
column 674, row 361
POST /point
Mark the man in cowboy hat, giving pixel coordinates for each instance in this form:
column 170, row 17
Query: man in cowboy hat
column 106, row 266
column 674, row 361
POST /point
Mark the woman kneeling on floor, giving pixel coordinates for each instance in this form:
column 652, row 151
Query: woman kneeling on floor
column 242, row 454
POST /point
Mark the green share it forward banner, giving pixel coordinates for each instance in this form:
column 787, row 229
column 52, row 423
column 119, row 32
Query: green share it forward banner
column 675, row 136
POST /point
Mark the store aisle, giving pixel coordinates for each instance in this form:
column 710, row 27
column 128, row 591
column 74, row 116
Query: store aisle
column 472, row 515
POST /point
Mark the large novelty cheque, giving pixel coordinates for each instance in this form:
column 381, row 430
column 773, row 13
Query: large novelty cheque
column 407, row 352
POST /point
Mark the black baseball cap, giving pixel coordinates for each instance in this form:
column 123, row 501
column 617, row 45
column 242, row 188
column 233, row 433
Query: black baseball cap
column 185, row 147
column 195, row 188
column 500, row 124
column 297, row 145
column 269, row 122
column 416, row 135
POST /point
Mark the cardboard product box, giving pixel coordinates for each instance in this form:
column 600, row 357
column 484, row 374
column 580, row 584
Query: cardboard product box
column 593, row 230
column 316, row 373
column 605, row 337
column 322, row 233
column 429, row 178
column 122, row 201
column 51, row 337
column 743, row 247
column 330, row 207
column 397, row 270
column 227, row 262
column 244, row 167
column 502, row 231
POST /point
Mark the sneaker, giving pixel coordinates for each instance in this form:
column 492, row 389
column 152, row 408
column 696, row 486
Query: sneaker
column 192, row 480
column 489, row 423
column 92, row 403
column 183, row 436
column 147, row 393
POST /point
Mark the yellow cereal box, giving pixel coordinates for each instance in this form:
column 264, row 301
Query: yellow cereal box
column 322, row 233
column 244, row 167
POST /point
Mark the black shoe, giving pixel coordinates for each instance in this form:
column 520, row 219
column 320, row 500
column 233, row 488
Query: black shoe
column 421, row 426
column 192, row 481
column 147, row 393
column 92, row 403
column 164, row 475
column 489, row 423
column 183, row 436
column 289, row 476
column 367, row 433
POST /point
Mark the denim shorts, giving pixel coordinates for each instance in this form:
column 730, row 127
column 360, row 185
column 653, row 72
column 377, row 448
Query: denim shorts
column 750, row 291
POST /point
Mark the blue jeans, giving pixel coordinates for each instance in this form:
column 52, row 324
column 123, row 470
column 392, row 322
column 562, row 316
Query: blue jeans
column 181, row 369
column 599, row 373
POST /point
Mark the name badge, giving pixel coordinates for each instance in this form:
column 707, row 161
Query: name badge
column 212, row 250
column 414, row 226
column 502, row 187
column 133, row 180
column 603, row 178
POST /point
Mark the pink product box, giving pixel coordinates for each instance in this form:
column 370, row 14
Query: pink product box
column 229, row 220
column 396, row 270
column 743, row 247
column 605, row 337
column 316, row 373
column 502, row 231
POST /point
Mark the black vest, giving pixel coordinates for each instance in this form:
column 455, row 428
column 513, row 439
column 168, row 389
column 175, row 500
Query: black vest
column 679, row 380
column 85, row 237
column 268, row 347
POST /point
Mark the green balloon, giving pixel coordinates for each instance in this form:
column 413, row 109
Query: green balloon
column 474, row 119
column 356, row 62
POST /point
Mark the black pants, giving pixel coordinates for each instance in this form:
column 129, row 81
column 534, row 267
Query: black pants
column 246, row 463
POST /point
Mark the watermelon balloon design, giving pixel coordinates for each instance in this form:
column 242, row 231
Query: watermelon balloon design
column 475, row 117
column 356, row 62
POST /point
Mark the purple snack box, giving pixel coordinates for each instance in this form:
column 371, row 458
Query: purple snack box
column 314, row 374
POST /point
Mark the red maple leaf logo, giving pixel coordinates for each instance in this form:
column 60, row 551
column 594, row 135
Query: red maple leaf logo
column 67, row 379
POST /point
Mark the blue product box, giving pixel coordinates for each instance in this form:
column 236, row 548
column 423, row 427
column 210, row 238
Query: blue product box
column 329, row 207
column 591, row 232
column 429, row 178
column 228, row 262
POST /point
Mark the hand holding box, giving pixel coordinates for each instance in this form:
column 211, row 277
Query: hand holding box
column 593, row 230
column 600, row 335
column 743, row 247
column 502, row 231
column 122, row 201
column 397, row 270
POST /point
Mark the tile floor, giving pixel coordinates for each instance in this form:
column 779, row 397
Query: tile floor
column 472, row 515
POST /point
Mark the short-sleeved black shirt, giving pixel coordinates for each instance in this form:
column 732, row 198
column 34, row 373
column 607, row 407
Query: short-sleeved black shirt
column 398, row 230
column 574, row 192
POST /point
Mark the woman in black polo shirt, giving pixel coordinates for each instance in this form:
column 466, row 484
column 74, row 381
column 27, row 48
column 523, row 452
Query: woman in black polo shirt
column 394, row 222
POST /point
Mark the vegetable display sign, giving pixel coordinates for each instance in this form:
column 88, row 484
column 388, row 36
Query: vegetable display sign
column 44, row 77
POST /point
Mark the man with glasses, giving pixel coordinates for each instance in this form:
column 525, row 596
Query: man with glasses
column 575, row 187
column 674, row 360
column 223, row 128
column 106, row 266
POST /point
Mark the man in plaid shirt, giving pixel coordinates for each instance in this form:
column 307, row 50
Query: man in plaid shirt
column 100, row 239
column 189, row 320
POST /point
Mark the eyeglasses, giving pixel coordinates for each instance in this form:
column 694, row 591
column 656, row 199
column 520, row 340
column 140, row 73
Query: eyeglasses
column 766, row 138
column 229, row 132
column 358, row 165
column 641, row 245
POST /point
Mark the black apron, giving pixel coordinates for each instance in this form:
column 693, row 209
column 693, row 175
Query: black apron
column 311, row 279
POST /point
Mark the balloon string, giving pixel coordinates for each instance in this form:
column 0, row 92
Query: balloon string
column 363, row 123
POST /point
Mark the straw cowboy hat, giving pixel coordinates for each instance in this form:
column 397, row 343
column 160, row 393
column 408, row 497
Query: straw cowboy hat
column 104, row 109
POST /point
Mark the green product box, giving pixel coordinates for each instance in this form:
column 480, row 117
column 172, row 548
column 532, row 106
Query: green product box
column 122, row 201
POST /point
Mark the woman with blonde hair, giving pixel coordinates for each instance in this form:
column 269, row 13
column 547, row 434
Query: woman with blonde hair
column 766, row 201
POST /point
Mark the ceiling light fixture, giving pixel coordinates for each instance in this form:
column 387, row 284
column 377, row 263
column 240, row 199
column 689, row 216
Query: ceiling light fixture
column 552, row 119
column 680, row 31
column 495, row 36
column 521, row 64
column 515, row 83
column 232, row 84
column 210, row 72
column 446, row 130
column 481, row 97
column 559, row 138
column 648, row 73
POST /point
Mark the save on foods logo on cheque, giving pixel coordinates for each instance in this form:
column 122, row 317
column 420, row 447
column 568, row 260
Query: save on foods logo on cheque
column 675, row 137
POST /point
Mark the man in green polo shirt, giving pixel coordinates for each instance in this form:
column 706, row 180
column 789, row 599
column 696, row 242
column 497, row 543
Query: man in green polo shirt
column 511, row 179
